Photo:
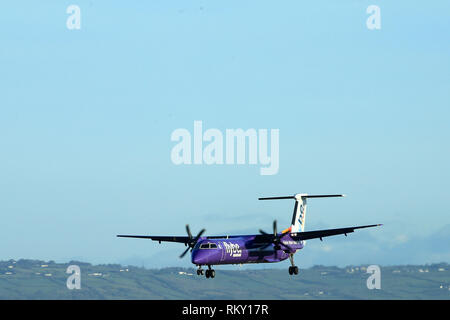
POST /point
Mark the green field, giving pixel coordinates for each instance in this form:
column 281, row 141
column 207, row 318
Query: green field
column 33, row 279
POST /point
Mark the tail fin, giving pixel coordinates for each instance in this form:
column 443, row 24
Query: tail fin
column 299, row 215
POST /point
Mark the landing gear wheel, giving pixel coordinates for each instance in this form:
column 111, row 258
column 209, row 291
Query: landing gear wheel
column 295, row 270
column 199, row 272
column 212, row 273
column 208, row 273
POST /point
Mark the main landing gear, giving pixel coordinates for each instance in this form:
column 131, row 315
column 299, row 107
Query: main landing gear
column 293, row 269
column 209, row 273
column 199, row 271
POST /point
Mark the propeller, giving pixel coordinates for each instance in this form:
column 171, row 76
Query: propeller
column 275, row 238
column 192, row 241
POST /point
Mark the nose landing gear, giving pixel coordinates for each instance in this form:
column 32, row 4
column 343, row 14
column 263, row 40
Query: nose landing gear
column 199, row 271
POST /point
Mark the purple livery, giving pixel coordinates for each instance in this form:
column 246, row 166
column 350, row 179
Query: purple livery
column 257, row 248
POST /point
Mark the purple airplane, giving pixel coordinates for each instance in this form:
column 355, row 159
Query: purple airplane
column 255, row 248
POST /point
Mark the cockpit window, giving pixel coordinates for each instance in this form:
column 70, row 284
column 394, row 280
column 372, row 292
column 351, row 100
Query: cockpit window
column 208, row 246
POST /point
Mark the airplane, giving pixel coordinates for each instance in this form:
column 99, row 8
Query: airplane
column 255, row 248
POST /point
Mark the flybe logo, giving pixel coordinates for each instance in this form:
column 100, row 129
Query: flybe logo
column 302, row 212
column 232, row 249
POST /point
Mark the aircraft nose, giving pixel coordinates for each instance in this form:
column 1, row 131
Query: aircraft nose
column 198, row 257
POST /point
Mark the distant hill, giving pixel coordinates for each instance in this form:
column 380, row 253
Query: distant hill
column 35, row 279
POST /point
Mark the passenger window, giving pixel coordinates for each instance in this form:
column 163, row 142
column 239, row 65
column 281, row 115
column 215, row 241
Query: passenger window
column 213, row 246
column 204, row 246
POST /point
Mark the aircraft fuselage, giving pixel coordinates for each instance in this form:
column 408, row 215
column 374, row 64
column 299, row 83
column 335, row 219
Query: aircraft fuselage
column 241, row 249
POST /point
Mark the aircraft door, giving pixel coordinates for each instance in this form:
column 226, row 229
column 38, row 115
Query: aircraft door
column 222, row 250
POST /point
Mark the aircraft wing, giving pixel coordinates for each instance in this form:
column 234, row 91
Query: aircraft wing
column 298, row 236
column 158, row 238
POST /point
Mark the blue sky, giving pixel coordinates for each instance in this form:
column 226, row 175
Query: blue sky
column 86, row 117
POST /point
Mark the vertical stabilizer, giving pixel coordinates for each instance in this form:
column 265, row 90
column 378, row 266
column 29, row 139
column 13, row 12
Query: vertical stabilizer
column 299, row 215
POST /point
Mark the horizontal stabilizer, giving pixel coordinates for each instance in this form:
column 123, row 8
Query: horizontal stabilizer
column 297, row 196
column 277, row 198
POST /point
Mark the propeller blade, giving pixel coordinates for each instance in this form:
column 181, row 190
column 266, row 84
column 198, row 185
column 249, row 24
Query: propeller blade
column 184, row 253
column 275, row 228
column 199, row 234
column 188, row 231
column 263, row 232
column 192, row 241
